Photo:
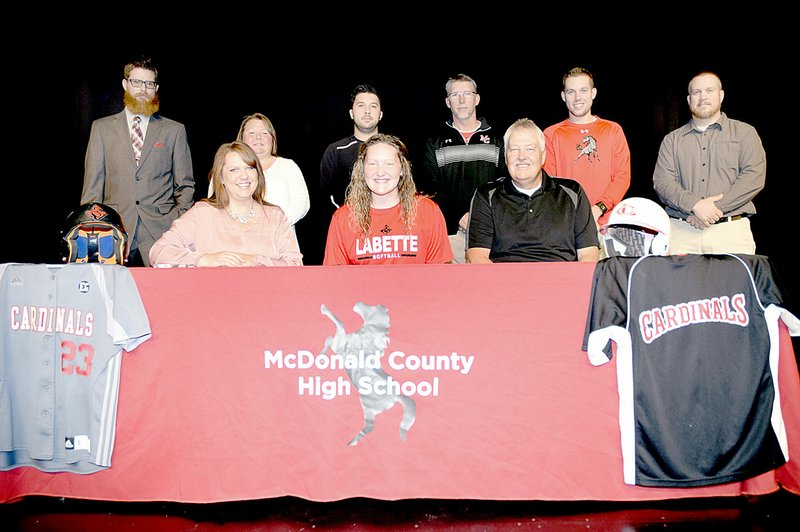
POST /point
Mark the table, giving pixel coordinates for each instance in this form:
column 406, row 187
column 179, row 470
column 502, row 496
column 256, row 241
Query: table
column 231, row 400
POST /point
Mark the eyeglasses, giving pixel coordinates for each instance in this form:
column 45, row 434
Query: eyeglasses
column 138, row 83
column 468, row 95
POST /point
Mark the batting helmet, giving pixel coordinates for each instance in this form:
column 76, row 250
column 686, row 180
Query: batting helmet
column 94, row 233
column 636, row 227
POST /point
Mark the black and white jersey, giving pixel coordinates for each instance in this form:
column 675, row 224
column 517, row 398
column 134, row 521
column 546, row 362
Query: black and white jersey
column 697, row 348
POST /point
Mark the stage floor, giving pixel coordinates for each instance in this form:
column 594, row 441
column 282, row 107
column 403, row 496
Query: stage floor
column 777, row 511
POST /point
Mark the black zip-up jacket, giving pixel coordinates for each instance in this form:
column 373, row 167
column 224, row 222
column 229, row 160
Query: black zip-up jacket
column 454, row 169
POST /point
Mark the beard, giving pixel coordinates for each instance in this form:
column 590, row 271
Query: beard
column 704, row 112
column 139, row 107
column 364, row 127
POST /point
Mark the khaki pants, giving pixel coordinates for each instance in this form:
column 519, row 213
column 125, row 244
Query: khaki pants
column 734, row 236
column 458, row 243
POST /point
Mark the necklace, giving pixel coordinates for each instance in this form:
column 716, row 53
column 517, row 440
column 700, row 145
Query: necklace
column 242, row 218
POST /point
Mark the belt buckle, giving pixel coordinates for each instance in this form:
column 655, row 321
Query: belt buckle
column 729, row 218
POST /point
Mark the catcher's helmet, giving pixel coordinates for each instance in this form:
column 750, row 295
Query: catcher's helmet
column 94, row 233
column 636, row 227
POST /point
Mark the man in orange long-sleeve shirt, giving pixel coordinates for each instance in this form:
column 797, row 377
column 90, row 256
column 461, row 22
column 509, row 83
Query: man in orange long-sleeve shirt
column 589, row 149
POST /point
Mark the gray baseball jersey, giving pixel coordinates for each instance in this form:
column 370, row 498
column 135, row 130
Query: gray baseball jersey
column 63, row 332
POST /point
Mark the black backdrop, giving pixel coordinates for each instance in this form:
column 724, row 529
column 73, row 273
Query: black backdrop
column 211, row 78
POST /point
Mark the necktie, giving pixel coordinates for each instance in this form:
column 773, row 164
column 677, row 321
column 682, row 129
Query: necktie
column 137, row 139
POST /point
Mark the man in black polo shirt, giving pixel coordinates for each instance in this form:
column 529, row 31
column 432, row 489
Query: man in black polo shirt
column 530, row 217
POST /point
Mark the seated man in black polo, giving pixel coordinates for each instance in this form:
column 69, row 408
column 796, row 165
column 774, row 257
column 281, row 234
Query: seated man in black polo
column 530, row 217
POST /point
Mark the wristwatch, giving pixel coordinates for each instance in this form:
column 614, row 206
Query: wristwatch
column 602, row 207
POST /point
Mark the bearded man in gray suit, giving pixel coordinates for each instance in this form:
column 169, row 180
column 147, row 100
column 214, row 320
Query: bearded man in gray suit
column 138, row 162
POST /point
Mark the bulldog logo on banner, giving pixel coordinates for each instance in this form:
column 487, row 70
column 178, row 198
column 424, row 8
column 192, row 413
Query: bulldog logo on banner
column 373, row 383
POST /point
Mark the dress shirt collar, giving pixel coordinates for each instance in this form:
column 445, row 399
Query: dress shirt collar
column 142, row 125
column 720, row 124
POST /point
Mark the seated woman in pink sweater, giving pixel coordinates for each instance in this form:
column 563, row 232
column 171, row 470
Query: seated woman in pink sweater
column 235, row 226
